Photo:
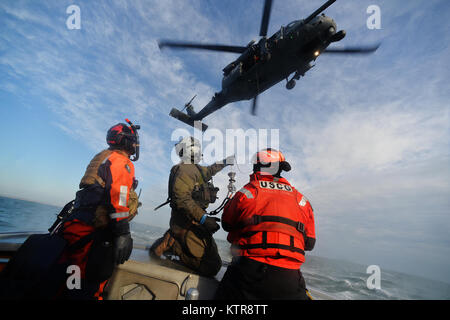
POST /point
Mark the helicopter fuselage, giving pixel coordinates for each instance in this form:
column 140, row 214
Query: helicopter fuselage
column 261, row 65
column 290, row 50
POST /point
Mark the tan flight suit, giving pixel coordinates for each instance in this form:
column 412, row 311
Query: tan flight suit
column 187, row 238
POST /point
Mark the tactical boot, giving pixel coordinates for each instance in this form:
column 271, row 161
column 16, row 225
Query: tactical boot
column 162, row 245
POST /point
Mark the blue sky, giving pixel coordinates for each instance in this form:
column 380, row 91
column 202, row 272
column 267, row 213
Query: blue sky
column 367, row 136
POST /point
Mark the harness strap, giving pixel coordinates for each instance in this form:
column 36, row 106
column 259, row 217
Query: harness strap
column 264, row 240
column 270, row 246
column 201, row 173
column 82, row 242
column 172, row 176
column 163, row 204
column 257, row 219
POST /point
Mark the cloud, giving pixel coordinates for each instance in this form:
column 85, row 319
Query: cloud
column 367, row 136
column 106, row 71
column 369, row 140
column 400, row 213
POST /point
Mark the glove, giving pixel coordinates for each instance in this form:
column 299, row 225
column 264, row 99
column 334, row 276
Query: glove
column 229, row 161
column 133, row 205
column 210, row 223
column 135, row 184
column 122, row 241
column 123, row 245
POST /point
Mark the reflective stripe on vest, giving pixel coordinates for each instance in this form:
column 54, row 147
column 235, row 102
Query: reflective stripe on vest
column 247, row 193
column 119, row 215
column 123, row 196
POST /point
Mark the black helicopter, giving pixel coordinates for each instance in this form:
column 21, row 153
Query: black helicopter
column 261, row 65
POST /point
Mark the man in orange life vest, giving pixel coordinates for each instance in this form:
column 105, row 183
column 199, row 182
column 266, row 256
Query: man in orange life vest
column 102, row 210
column 270, row 226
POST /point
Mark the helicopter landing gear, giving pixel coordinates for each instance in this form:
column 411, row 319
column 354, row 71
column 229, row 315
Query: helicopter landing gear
column 291, row 84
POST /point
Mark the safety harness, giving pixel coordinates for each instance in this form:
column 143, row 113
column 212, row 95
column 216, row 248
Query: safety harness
column 203, row 192
column 284, row 223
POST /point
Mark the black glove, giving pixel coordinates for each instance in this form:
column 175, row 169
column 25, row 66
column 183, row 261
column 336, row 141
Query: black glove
column 211, row 224
column 123, row 245
column 122, row 241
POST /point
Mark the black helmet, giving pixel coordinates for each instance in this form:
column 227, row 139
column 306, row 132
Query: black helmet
column 124, row 137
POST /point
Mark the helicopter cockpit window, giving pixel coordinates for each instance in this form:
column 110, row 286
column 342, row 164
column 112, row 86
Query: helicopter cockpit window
column 316, row 21
column 291, row 26
column 276, row 36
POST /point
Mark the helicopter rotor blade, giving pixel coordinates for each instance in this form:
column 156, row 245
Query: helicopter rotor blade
column 255, row 99
column 210, row 47
column 352, row 50
column 254, row 105
column 319, row 11
column 265, row 18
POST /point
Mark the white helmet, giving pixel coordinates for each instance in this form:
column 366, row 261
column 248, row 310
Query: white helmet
column 189, row 150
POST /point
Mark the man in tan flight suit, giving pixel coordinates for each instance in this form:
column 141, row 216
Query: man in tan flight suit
column 190, row 193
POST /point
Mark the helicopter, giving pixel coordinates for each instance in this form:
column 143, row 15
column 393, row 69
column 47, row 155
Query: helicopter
column 290, row 51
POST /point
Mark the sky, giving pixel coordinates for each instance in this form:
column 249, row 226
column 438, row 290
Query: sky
column 367, row 136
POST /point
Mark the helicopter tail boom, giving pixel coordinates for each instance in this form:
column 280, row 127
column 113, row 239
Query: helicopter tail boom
column 183, row 117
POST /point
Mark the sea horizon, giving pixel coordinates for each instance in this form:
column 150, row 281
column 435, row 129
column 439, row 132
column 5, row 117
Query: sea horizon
column 145, row 233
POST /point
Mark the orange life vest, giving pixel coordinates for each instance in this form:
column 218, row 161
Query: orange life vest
column 268, row 220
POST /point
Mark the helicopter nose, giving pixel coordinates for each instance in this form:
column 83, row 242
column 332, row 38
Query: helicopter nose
column 338, row 36
column 328, row 25
column 331, row 30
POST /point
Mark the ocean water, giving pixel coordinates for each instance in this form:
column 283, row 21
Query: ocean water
column 339, row 279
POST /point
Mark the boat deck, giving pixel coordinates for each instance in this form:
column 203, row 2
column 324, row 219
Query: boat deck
column 146, row 278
